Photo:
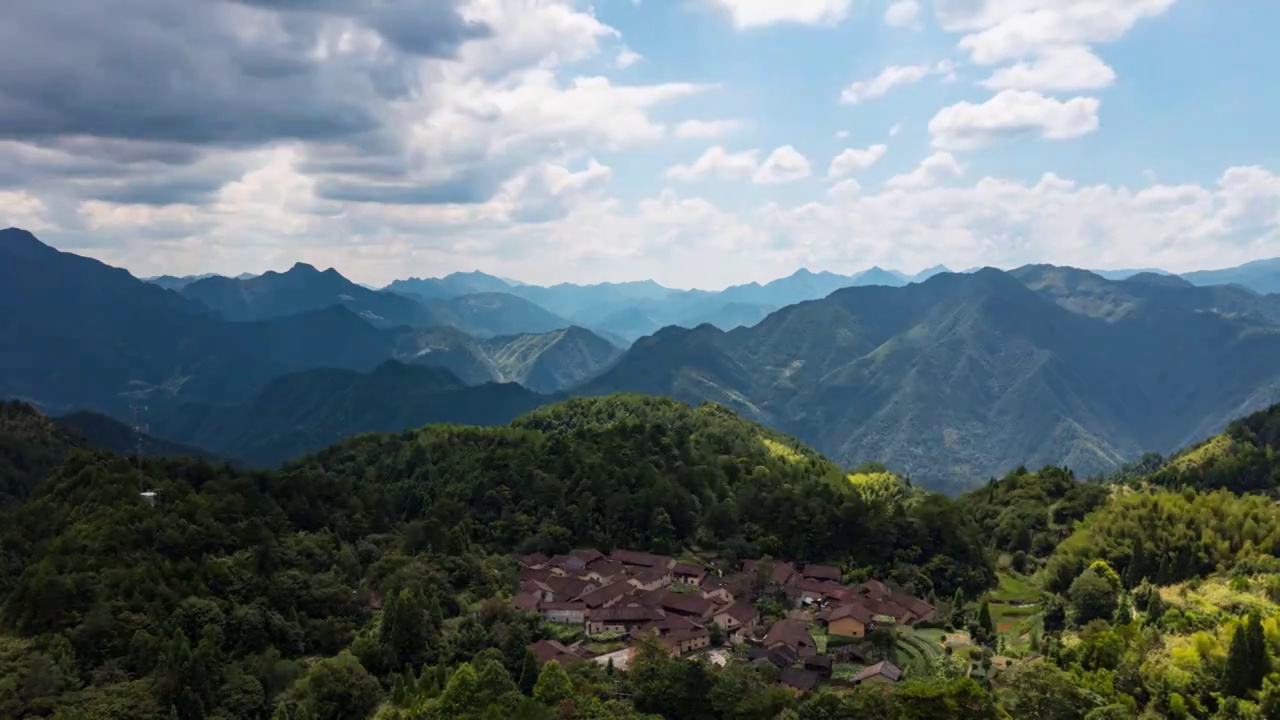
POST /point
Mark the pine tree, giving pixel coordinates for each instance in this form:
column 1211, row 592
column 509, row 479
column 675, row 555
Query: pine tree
column 958, row 618
column 553, row 685
column 1259, row 661
column 528, row 673
column 1238, row 674
column 987, row 626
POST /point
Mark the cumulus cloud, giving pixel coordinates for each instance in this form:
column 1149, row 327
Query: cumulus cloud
column 626, row 58
column 967, row 126
column 1072, row 67
column 718, row 162
column 903, row 14
column 706, row 129
column 935, row 169
column 747, row 14
column 891, row 77
column 784, row 165
column 854, row 159
column 1007, row 30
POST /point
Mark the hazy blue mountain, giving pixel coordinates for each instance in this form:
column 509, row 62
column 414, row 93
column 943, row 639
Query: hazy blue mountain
column 303, row 288
column 450, row 286
column 879, row 276
column 305, row 411
column 1262, row 276
column 546, row 362
column 930, row 272
column 490, row 314
column 966, row 376
column 172, row 282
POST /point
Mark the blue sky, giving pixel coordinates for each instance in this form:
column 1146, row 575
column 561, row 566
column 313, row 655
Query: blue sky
column 689, row 141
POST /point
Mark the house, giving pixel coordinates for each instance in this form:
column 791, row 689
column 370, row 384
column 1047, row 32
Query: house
column 538, row 589
column 852, row 620
column 548, row 650
column 539, row 573
column 923, row 611
column 607, row 595
column 689, row 574
column 642, row 559
column 889, row 607
column 525, row 601
column 875, row 589
column 883, row 671
column 794, row 635
column 683, row 642
column 821, row 664
column 588, row 555
column 605, row 571
column 798, row 679
column 651, row 578
column 902, row 607
column 728, row 588
column 534, row 561
column 779, row 657
column 782, row 570
column 689, row 605
column 807, row 591
column 737, row 620
column 622, row 619
column 569, row 613
column 813, row 571
column 569, row 587
column 570, row 564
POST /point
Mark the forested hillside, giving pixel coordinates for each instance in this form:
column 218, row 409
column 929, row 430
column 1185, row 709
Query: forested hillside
column 216, row 599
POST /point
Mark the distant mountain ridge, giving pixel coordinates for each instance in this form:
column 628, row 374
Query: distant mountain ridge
column 963, row 377
column 78, row 334
column 309, row 410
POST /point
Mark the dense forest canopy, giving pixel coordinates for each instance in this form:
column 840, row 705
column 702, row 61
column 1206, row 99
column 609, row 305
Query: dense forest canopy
column 374, row 578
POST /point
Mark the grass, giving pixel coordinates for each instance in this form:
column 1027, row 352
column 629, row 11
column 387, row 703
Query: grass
column 563, row 632
column 846, row 671
column 1213, row 448
column 1015, row 608
column 1210, row 596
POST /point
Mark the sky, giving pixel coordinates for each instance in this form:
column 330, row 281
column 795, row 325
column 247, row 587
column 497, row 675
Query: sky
column 699, row 143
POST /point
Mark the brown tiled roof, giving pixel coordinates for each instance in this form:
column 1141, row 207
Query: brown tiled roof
column 791, row 633
column 548, row 650
column 818, row 662
column 588, row 555
column 530, row 586
column 568, row 562
column 914, row 604
column 688, row 570
column 741, row 612
column 780, row 656
column 883, row 668
column 532, row 574
column 607, row 568
column 821, row 572
column 534, row 559
column 887, row 606
column 648, row 575
column 603, row 595
column 562, row 605
column 525, row 601
column 640, row 559
column 798, row 678
column 569, row 586
column 686, row 603
column 675, row 637
column 855, row 610
column 876, row 588
column 813, row 585
column 627, row 613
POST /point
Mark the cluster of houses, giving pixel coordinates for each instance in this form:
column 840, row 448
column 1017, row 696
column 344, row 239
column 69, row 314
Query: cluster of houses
column 627, row 594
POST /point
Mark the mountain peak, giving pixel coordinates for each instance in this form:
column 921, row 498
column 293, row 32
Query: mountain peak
column 301, row 267
column 16, row 239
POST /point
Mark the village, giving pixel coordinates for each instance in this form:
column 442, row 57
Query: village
column 821, row 632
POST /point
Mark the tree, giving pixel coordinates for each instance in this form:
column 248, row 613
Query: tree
column 1237, row 678
column 528, row 673
column 405, row 629
column 1259, row 659
column 1093, row 597
column 985, row 623
column 553, row 685
column 958, row 619
column 1055, row 613
column 338, row 688
column 462, row 693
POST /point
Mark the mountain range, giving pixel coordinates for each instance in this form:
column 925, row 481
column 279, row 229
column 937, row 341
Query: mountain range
column 947, row 377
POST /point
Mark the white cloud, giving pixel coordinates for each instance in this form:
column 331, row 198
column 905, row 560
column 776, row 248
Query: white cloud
column 903, row 14
column 845, row 189
column 936, row 168
column 756, row 13
column 891, row 77
column 842, row 134
column 18, row 208
column 706, row 129
column 897, row 128
column 783, row 165
column 719, row 162
column 966, row 126
column 1072, row 67
column 852, row 160
column 626, row 58
column 1010, row 29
